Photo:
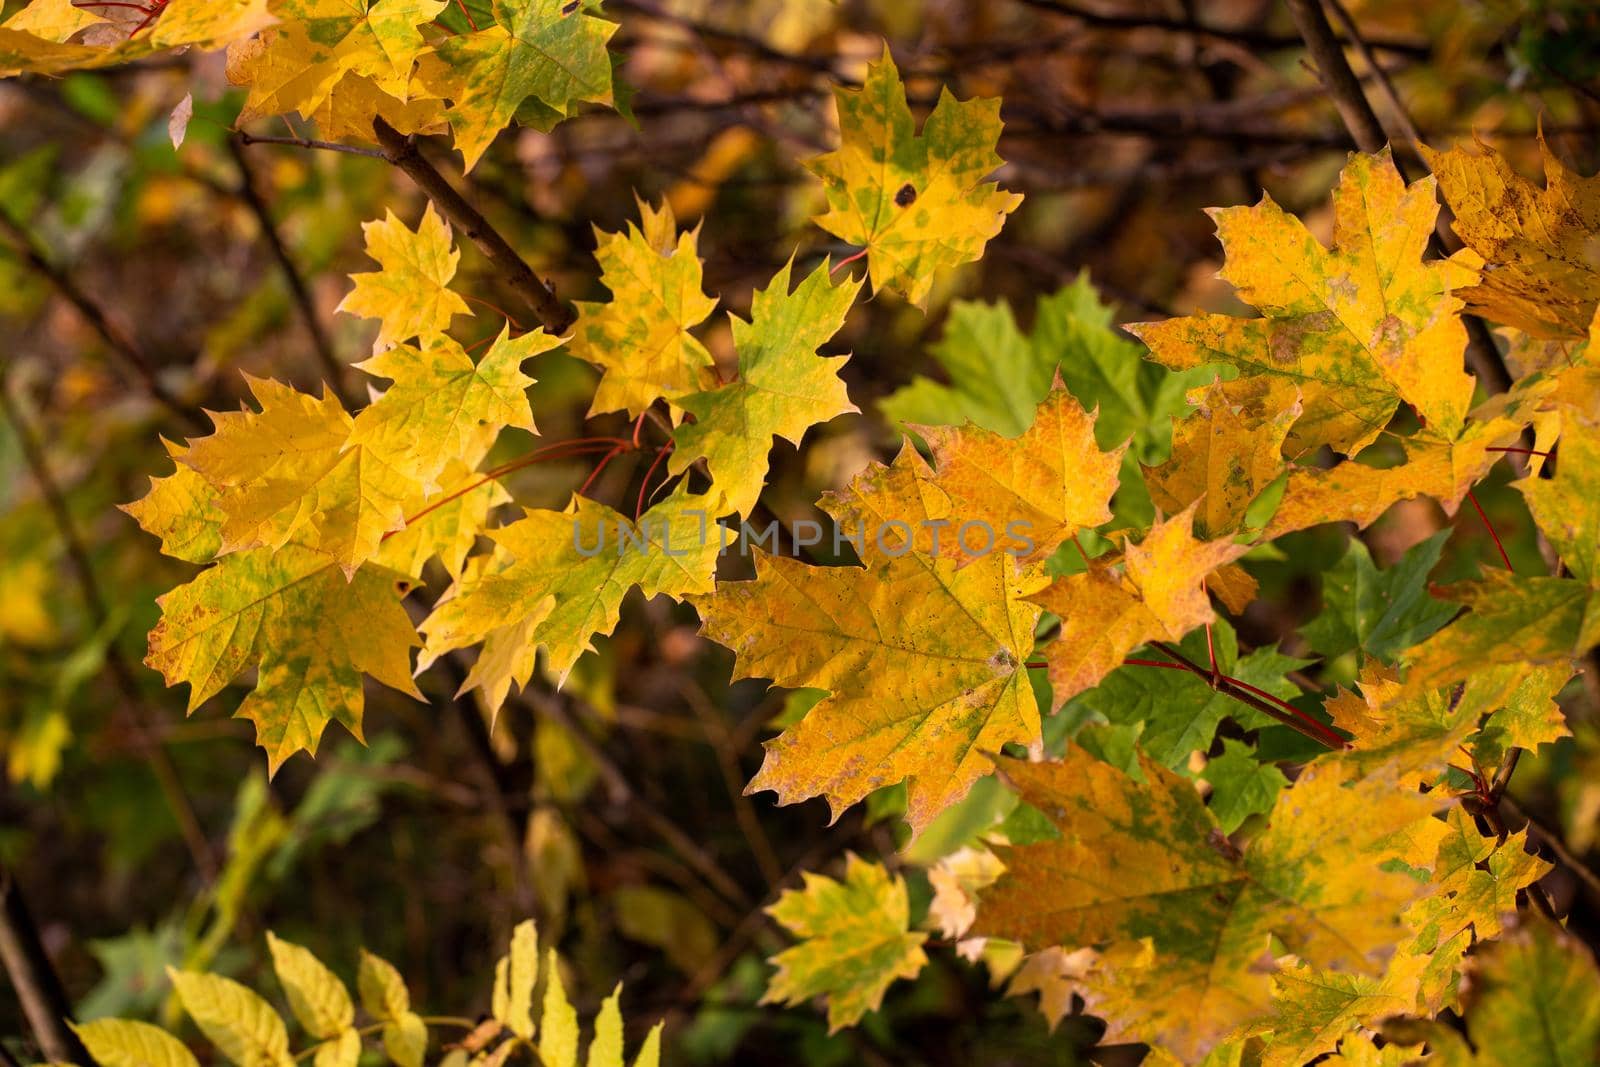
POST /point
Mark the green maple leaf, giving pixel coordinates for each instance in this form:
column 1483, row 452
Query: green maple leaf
column 1180, row 711
column 783, row 388
column 1380, row 612
column 551, row 583
column 1241, row 785
column 549, row 50
column 998, row 374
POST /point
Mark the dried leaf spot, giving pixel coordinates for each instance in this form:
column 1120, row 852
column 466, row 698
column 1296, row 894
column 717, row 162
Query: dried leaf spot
column 906, row 196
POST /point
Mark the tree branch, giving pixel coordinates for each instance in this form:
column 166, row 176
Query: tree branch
column 298, row 289
column 402, row 152
column 1344, row 88
column 1247, row 37
column 120, row 344
column 247, row 139
column 38, row 987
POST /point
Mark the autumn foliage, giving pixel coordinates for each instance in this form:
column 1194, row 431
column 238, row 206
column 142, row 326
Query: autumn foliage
column 1166, row 675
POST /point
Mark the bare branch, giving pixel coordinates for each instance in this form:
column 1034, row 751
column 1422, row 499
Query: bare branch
column 38, row 987
column 298, row 289
column 128, row 352
column 402, row 152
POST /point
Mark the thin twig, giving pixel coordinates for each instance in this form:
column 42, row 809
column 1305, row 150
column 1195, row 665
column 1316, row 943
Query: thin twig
column 298, row 290
column 135, row 360
column 1401, row 115
column 1345, row 90
column 1248, row 695
column 552, row 707
column 1255, row 39
column 401, row 151
column 728, row 763
column 497, row 786
column 1579, row 869
column 247, row 139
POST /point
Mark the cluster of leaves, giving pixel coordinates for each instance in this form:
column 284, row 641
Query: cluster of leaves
column 250, row 1032
column 1330, row 869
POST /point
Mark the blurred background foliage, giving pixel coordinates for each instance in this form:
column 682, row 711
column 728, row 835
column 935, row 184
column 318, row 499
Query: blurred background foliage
column 146, row 838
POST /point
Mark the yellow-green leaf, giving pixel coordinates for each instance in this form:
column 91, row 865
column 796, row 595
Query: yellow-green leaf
column 242, row 1025
column 1137, row 862
column 309, row 633
column 640, row 338
column 514, row 979
column 127, row 1043
column 443, row 407
column 558, row 1022
column 917, row 202
column 410, row 295
column 855, row 941
column 316, row 995
column 783, row 388
column 549, row 50
column 557, row 578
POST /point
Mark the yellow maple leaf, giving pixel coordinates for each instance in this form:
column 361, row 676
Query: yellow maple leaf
column 1541, row 246
column 294, row 472
column 923, row 658
column 917, row 202
column 1223, row 455
column 410, row 295
column 444, row 524
column 53, row 20
column 557, row 578
column 1155, row 591
column 309, row 633
column 1148, row 863
column 318, row 41
column 640, row 338
column 205, row 24
column 1510, row 619
column 182, row 510
column 1358, row 328
column 353, row 101
column 1444, row 468
column 442, row 406
column 1045, row 484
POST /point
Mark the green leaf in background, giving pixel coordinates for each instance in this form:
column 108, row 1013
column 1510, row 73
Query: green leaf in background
column 997, row 377
column 1241, row 785
column 998, row 374
column 1104, row 368
column 1380, row 612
